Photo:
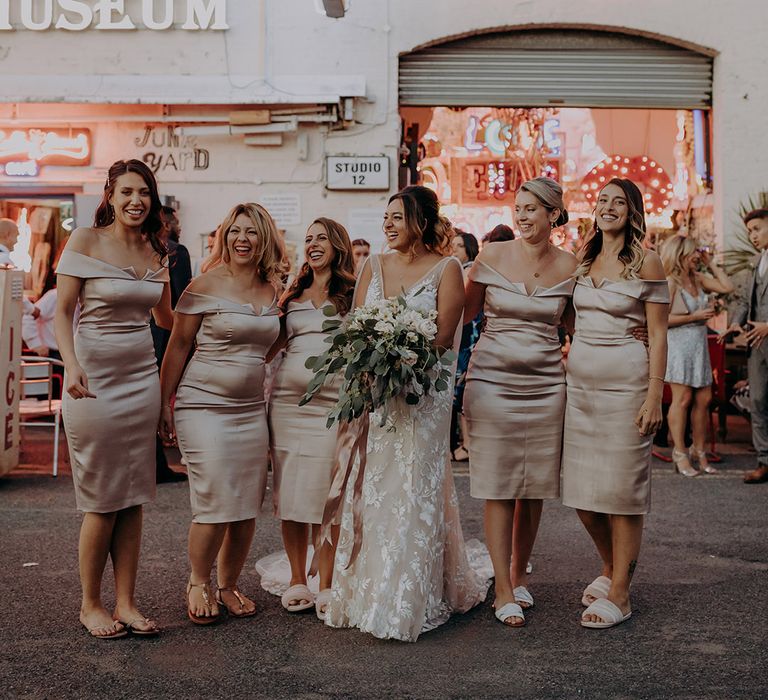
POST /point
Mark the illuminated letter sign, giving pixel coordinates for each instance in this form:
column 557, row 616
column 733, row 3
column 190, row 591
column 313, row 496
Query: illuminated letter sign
column 46, row 146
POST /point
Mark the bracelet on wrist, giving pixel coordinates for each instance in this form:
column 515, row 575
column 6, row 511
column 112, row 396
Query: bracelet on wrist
column 661, row 379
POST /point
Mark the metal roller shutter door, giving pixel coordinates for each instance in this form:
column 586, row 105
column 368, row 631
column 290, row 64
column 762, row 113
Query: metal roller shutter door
column 465, row 77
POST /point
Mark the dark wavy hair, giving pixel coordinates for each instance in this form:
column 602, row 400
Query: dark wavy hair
column 471, row 246
column 423, row 219
column 632, row 253
column 153, row 225
column 500, row 232
column 342, row 283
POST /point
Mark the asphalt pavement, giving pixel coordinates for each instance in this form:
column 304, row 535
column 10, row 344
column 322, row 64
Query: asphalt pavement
column 698, row 628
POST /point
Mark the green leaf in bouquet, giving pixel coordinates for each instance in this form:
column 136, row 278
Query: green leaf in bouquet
column 441, row 384
column 331, row 325
column 316, row 382
column 310, row 361
column 411, row 399
column 350, row 371
column 336, row 364
column 448, row 357
column 305, row 399
column 431, row 361
column 330, row 310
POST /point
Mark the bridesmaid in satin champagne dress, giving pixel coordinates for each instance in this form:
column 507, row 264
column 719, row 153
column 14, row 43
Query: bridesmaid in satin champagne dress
column 219, row 417
column 302, row 447
column 614, row 394
column 515, row 395
column 115, row 271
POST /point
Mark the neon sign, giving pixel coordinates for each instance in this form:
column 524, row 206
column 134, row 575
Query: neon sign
column 23, row 151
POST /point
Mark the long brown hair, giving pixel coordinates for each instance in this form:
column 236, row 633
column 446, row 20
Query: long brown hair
column 153, row 225
column 342, row 283
column 269, row 253
column 423, row 219
column 632, row 253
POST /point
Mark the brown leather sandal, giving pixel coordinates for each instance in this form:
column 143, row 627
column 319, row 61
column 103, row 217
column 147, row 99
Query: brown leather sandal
column 199, row 619
column 235, row 611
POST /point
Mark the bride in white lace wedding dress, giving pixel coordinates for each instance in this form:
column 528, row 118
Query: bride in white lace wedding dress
column 412, row 570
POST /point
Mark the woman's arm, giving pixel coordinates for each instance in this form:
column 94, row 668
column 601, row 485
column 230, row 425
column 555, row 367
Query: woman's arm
column 719, row 282
column 450, row 305
column 279, row 344
column 363, row 282
column 185, row 329
column 162, row 310
column 649, row 417
column 63, row 320
column 474, row 300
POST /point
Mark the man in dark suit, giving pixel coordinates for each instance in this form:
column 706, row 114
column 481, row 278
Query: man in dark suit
column 752, row 312
column 180, row 272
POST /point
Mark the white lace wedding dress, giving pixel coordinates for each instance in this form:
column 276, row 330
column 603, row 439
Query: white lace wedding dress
column 412, row 571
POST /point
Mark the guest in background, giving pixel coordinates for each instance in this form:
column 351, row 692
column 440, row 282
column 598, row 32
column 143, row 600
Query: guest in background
column 180, row 271
column 499, row 233
column 302, row 447
column 220, row 418
column 464, row 247
column 112, row 402
column 752, row 311
column 614, row 389
column 361, row 250
column 689, row 371
column 209, row 242
column 9, row 234
column 515, row 397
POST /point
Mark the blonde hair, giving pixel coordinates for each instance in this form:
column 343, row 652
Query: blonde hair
column 632, row 254
column 550, row 194
column 673, row 251
column 269, row 252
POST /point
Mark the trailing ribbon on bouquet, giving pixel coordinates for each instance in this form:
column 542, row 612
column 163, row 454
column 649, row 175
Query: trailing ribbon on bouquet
column 351, row 444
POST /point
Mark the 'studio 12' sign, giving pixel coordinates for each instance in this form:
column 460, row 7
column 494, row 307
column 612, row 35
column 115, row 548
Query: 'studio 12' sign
column 78, row 15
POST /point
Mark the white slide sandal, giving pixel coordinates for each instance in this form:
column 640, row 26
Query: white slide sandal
column 505, row 612
column 597, row 589
column 608, row 611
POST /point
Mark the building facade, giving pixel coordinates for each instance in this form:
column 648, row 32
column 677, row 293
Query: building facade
column 273, row 101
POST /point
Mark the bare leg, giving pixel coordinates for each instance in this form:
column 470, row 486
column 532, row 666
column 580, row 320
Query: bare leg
column 699, row 417
column 676, row 418
column 95, row 541
column 232, row 556
column 526, row 526
column 126, row 545
column 598, row 525
column 627, row 537
column 204, row 544
column 499, row 522
column 325, row 559
column 296, row 542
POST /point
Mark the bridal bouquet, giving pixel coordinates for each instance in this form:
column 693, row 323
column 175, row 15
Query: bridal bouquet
column 384, row 350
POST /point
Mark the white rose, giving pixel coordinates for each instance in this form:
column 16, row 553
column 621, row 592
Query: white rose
column 428, row 328
column 383, row 327
column 410, row 357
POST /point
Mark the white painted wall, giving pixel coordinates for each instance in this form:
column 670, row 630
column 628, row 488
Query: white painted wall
column 283, row 49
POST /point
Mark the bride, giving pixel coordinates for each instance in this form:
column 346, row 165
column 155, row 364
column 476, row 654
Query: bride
column 411, row 571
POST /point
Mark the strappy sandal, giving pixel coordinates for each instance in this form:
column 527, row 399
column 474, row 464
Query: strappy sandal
column 200, row 619
column 117, row 634
column 233, row 610
column 152, row 631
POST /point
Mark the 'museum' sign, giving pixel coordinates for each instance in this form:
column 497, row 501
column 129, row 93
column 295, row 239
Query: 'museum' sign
column 77, row 15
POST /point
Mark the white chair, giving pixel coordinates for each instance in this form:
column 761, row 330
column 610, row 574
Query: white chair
column 37, row 375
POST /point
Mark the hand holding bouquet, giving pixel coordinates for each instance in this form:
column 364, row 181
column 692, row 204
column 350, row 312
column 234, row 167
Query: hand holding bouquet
column 385, row 350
